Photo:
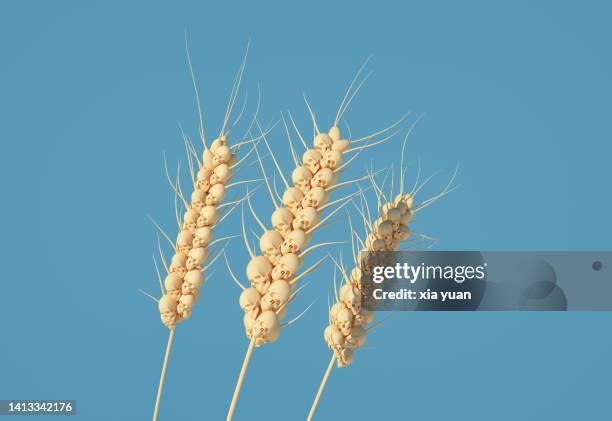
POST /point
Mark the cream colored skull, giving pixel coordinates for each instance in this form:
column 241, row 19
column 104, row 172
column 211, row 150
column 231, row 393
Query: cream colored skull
column 221, row 155
column 335, row 133
column 266, row 328
column 385, row 231
column 183, row 241
column 331, row 159
column 355, row 277
column 394, row 216
column 190, row 219
column 312, row 160
column 345, row 357
column 258, row 269
column 172, row 284
column 202, row 185
column 249, row 301
column 301, row 177
column 378, row 245
column 209, row 215
column 196, row 257
column 178, row 264
column 341, row 145
column 216, row 193
column 167, row 310
column 357, row 338
column 341, row 317
column 402, row 233
column 323, row 178
column 322, row 142
column 249, row 323
column 292, row 198
column 198, row 199
column 207, row 160
column 294, row 241
column 278, row 295
column 202, row 236
column 222, row 174
column 306, row 219
column 192, row 282
column 270, row 243
column 333, row 337
column 407, row 217
column 351, row 297
column 287, row 265
column 220, row 141
column 314, row 198
column 281, row 220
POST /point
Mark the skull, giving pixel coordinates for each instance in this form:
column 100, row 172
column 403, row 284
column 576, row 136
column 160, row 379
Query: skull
column 184, row 241
column 394, row 216
column 281, row 220
column 335, row 133
column 185, row 305
column 407, row 217
column 278, row 295
column 167, row 310
column 357, row 338
column 287, row 265
column 249, row 323
column 312, row 160
column 340, row 145
column 322, row 143
column 209, row 215
column 216, row 193
column 173, row 284
column 400, row 204
column 385, row 231
column 178, row 264
column 379, row 245
column 333, row 337
column 301, row 177
column 221, row 174
column 341, row 317
column 266, row 328
column 306, row 219
column 198, row 199
column 323, row 178
column 220, row 141
column 207, row 160
column 402, row 233
column 202, row 185
column 258, row 269
column 331, row 159
column 351, row 297
column 196, row 258
column 249, row 301
column 294, row 241
column 364, row 318
column 314, row 198
column 409, row 200
column 355, row 277
column 292, row 198
column 202, row 236
column 270, row 243
column 221, row 155
column 190, row 219
column 193, row 282
column 345, row 357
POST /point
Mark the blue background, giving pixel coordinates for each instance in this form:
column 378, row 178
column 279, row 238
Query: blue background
column 91, row 93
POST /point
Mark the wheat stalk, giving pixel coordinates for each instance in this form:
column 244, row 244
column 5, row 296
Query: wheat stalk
column 273, row 274
column 349, row 322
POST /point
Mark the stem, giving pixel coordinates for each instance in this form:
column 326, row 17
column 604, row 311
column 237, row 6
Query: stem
column 245, row 364
column 321, row 387
column 163, row 374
